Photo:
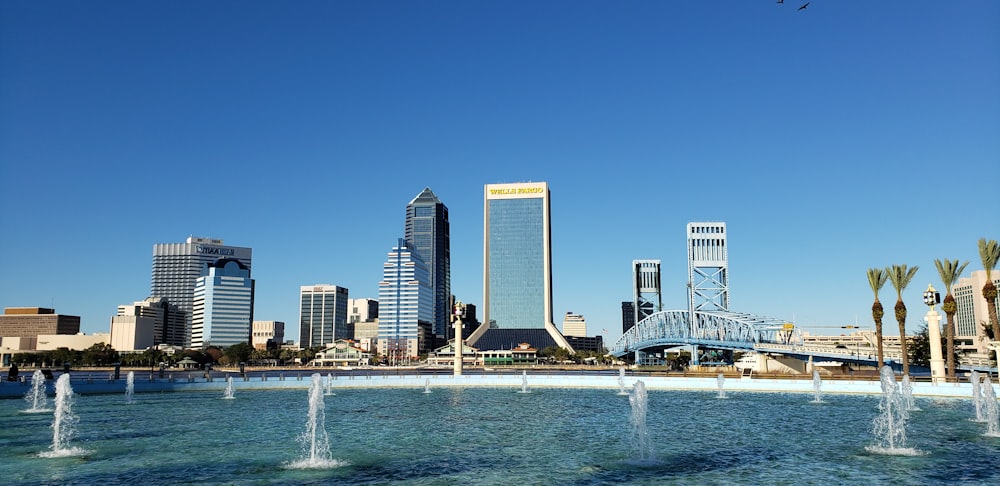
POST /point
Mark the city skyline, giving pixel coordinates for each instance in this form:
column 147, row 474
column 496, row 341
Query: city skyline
column 846, row 136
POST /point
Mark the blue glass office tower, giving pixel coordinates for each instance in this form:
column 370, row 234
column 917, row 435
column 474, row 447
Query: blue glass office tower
column 428, row 233
column 517, row 268
column 404, row 302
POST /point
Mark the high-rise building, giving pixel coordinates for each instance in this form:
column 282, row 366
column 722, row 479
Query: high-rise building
column 428, row 232
column 223, row 305
column 322, row 315
column 169, row 321
column 972, row 315
column 176, row 267
column 574, row 325
column 628, row 315
column 405, row 303
column 517, row 268
column 647, row 296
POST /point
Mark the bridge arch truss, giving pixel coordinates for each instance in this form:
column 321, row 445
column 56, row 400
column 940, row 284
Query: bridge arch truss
column 708, row 329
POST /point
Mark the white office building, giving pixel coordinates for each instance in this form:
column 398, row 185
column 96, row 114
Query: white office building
column 177, row 266
column 973, row 313
column 574, row 325
column 362, row 310
column 264, row 331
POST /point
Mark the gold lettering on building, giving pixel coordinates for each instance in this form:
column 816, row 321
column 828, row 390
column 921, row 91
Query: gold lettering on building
column 517, row 190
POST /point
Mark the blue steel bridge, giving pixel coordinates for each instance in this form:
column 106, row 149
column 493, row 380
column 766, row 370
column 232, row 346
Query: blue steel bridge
column 723, row 330
column 709, row 325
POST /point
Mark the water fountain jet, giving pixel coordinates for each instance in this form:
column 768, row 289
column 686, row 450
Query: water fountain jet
column 524, row 382
column 977, row 396
column 621, row 381
column 889, row 426
column 316, row 441
column 817, row 386
column 229, row 394
column 721, row 381
column 63, row 422
column 642, row 451
column 906, row 388
column 130, row 388
column 36, row 395
column 990, row 406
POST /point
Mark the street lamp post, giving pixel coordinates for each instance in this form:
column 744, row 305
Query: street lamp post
column 932, row 298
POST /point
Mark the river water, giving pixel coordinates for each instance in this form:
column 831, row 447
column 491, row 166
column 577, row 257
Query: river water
column 493, row 436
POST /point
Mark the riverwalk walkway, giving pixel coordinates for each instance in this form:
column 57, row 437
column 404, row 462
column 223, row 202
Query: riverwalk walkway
column 85, row 383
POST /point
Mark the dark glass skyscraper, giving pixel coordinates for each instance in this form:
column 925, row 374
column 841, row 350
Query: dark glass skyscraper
column 428, row 233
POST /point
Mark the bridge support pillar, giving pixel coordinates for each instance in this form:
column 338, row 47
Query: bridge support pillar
column 695, row 361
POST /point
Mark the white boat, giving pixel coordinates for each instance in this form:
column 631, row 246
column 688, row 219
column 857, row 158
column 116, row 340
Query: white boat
column 749, row 361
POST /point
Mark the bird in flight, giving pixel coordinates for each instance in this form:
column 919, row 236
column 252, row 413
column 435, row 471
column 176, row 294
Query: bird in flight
column 804, row 5
column 781, row 1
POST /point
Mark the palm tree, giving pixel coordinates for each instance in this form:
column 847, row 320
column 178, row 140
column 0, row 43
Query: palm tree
column 901, row 276
column 989, row 253
column 950, row 270
column 876, row 279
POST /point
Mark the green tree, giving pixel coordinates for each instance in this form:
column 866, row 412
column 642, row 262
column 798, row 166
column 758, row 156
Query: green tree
column 100, row 354
column 949, row 271
column 558, row 354
column 920, row 348
column 62, row 356
column 876, row 280
column 901, row 275
column 989, row 253
column 213, row 353
column 237, row 353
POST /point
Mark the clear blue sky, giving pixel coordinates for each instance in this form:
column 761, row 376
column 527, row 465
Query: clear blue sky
column 848, row 135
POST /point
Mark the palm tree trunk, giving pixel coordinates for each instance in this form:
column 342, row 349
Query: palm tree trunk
column 950, row 308
column 949, row 335
column 901, row 318
column 990, row 293
column 877, row 314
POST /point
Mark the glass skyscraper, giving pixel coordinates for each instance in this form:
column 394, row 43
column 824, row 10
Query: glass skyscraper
column 176, row 268
column 517, row 254
column 404, row 302
column 428, row 232
column 322, row 315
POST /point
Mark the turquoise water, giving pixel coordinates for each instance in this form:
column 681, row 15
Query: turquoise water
column 493, row 436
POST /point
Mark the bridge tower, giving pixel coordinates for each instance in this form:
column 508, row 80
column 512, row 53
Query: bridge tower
column 647, row 297
column 646, row 292
column 708, row 270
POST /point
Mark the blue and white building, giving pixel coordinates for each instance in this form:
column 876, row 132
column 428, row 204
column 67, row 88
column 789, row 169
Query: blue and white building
column 405, row 304
column 223, row 305
column 176, row 268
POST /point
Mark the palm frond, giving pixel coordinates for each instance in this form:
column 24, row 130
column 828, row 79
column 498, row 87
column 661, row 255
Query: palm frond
column 949, row 271
column 989, row 253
